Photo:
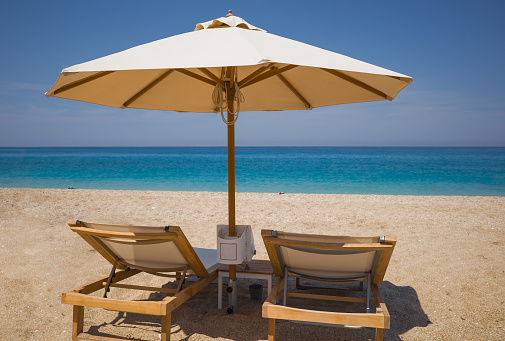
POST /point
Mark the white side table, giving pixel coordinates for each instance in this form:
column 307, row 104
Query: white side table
column 258, row 269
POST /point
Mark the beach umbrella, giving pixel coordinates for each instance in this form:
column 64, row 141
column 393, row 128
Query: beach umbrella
column 227, row 66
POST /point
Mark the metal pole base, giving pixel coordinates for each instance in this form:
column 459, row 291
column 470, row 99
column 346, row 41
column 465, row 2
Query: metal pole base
column 232, row 296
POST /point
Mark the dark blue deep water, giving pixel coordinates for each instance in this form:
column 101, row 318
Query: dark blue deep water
column 338, row 170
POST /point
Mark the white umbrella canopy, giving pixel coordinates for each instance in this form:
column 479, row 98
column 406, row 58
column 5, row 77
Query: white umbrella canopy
column 179, row 73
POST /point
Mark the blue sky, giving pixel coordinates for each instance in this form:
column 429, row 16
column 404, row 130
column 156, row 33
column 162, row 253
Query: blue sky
column 454, row 50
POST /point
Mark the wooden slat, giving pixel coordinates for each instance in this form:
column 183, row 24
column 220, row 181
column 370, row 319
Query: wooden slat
column 326, row 238
column 140, row 287
column 254, row 267
column 328, row 246
column 140, row 307
column 304, row 315
column 328, row 297
column 126, row 235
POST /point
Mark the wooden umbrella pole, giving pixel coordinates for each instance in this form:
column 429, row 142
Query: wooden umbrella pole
column 231, row 169
column 231, row 177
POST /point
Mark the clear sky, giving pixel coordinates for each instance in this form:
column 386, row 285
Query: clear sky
column 454, row 51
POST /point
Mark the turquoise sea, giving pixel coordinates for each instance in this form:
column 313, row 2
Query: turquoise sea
column 339, row 170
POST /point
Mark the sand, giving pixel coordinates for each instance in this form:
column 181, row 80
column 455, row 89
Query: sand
column 445, row 280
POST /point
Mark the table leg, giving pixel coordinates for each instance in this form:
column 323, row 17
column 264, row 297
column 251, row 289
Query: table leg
column 220, row 290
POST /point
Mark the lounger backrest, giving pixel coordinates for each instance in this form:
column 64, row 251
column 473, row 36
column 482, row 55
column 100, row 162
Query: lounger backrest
column 147, row 248
column 328, row 256
column 331, row 263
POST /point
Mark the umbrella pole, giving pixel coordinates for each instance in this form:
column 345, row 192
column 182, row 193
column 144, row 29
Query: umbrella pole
column 231, row 187
column 231, row 190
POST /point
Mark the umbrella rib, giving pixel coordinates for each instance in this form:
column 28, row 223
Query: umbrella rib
column 357, row 82
column 403, row 79
column 269, row 74
column 147, row 88
column 196, row 76
column 254, row 74
column 82, row 81
column 212, row 76
column 294, row 91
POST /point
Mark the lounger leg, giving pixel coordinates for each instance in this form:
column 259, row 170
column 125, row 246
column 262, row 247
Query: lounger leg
column 78, row 320
column 271, row 329
column 378, row 334
column 182, row 278
column 285, row 286
column 368, row 286
column 166, row 322
column 109, row 280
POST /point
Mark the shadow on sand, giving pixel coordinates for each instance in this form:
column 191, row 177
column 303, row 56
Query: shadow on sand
column 200, row 316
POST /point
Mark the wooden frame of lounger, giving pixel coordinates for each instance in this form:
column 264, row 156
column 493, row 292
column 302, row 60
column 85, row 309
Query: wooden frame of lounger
column 379, row 320
column 94, row 233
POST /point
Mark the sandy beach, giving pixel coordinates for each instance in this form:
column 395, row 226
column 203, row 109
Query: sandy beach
column 445, row 280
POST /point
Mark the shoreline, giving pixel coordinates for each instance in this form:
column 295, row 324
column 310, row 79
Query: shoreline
column 259, row 193
column 443, row 282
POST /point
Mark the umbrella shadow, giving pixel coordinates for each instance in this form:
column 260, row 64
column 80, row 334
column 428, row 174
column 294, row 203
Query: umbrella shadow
column 127, row 322
column 404, row 308
column 200, row 316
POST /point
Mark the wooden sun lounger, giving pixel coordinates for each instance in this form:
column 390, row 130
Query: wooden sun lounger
column 328, row 259
column 162, row 251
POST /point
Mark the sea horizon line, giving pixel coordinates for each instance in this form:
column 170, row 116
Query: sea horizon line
column 259, row 146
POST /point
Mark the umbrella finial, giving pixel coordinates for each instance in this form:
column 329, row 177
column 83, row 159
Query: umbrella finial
column 229, row 14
